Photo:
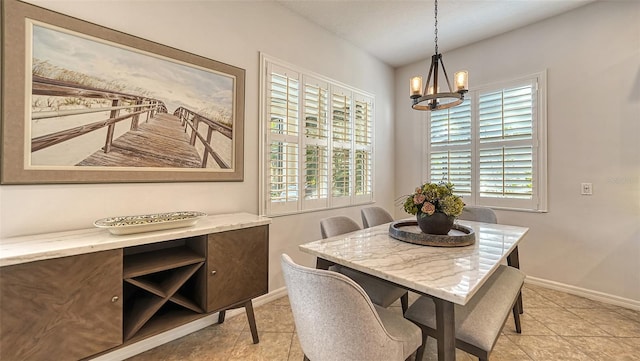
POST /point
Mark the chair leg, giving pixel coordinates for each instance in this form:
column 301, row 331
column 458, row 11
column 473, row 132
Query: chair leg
column 516, row 317
column 305, row 358
column 404, row 300
column 420, row 351
column 221, row 315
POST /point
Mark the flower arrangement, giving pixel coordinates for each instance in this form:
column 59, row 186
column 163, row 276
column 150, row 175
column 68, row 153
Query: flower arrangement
column 433, row 198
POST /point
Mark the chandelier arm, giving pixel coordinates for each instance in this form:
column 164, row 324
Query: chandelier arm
column 445, row 75
column 426, row 85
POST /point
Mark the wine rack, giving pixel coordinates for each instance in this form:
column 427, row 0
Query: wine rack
column 159, row 290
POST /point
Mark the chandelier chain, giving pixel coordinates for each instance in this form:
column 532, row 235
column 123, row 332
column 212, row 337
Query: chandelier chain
column 436, row 25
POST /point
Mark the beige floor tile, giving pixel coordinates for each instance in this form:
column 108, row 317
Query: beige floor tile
column 568, row 300
column 274, row 318
column 507, row 350
column 565, row 323
column 529, row 325
column 549, row 348
column 630, row 314
column 533, row 299
column 431, row 353
column 631, row 341
column 606, row 348
column 211, row 344
column 273, row 346
column 611, row 321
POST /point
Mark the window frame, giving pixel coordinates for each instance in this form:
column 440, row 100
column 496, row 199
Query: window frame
column 301, row 205
column 538, row 141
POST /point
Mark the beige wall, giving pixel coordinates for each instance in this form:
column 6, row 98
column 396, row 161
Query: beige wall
column 234, row 33
column 592, row 57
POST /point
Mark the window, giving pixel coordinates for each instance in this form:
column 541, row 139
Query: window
column 492, row 147
column 318, row 141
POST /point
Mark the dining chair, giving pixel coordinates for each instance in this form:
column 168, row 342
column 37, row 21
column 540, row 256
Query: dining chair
column 382, row 293
column 479, row 322
column 336, row 320
column 373, row 216
column 478, row 214
column 487, row 215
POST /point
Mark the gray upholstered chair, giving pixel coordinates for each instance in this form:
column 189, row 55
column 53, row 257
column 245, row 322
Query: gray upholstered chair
column 335, row 319
column 382, row 293
column 373, row 216
column 479, row 322
column 487, row 215
column 478, row 214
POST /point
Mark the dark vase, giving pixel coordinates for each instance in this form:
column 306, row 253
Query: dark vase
column 437, row 223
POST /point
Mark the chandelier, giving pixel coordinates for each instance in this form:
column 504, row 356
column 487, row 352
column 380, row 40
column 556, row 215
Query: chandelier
column 431, row 98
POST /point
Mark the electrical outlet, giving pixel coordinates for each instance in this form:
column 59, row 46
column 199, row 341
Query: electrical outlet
column 587, row 189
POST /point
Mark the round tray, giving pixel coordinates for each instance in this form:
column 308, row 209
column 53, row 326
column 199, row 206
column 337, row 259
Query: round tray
column 408, row 231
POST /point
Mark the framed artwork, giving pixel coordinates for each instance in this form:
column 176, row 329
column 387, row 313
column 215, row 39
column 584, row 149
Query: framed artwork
column 82, row 103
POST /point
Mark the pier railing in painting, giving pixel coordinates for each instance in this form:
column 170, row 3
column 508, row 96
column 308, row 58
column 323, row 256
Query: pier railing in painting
column 140, row 105
column 192, row 120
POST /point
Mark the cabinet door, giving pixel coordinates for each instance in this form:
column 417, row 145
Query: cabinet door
column 61, row 309
column 237, row 266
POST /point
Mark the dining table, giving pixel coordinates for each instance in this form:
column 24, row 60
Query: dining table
column 449, row 275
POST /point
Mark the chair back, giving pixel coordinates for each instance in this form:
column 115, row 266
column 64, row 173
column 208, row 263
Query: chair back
column 373, row 216
column 334, row 226
column 478, row 214
column 334, row 317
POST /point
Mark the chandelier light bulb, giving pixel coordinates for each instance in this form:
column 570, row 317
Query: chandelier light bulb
column 461, row 80
column 415, row 87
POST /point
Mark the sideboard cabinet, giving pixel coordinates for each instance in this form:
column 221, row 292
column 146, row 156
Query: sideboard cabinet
column 121, row 289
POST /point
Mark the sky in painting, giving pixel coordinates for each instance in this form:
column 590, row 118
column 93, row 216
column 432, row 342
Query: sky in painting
column 172, row 82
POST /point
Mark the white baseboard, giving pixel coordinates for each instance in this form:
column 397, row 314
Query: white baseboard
column 173, row 334
column 586, row 293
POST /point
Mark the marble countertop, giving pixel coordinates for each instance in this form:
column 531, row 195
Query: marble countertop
column 450, row 273
column 25, row 249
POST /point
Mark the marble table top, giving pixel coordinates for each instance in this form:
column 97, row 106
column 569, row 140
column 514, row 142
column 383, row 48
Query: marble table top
column 450, row 273
column 24, row 249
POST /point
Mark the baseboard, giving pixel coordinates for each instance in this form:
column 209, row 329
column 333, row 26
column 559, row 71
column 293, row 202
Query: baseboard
column 586, row 293
column 173, row 334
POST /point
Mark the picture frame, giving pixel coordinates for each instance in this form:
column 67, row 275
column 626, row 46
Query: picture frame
column 115, row 108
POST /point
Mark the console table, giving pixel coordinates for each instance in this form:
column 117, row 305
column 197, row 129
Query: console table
column 80, row 293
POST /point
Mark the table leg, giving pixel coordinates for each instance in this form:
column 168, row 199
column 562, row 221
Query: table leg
column 513, row 260
column 446, row 329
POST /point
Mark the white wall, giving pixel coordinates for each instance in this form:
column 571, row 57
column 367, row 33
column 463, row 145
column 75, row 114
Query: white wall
column 592, row 55
column 234, row 33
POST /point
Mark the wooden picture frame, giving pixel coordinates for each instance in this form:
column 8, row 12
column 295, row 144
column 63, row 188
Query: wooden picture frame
column 116, row 108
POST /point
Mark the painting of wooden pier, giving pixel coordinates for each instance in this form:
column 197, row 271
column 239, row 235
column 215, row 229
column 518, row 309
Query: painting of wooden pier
column 109, row 107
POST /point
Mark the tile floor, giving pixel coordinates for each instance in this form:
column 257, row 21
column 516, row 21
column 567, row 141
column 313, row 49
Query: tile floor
column 555, row 326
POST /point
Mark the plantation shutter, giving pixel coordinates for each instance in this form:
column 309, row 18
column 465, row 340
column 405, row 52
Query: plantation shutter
column 317, row 148
column 450, row 150
column 341, row 159
column 506, row 151
column 283, row 108
column 316, row 143
column 363, row 180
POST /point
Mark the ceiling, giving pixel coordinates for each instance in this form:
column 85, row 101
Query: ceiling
column 400, row 32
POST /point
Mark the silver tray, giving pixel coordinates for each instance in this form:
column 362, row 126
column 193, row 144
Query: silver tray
column 409, row 231
column 149, row 222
